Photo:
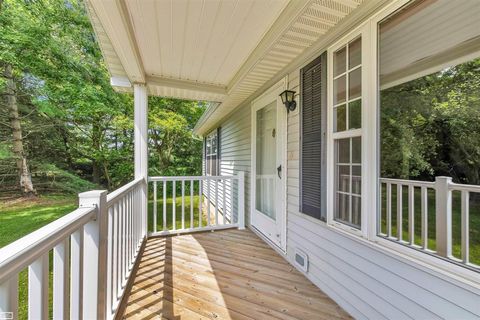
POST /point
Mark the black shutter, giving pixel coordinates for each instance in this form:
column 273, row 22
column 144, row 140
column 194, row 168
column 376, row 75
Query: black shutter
column 313, row 129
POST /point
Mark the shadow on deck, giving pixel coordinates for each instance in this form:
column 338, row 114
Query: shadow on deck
column 229, row 274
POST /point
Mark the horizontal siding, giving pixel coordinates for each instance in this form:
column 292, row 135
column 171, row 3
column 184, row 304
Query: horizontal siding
column 235, row 155
column 362, row 279
column 365, row 281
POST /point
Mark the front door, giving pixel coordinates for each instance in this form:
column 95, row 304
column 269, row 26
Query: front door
column 269, row 172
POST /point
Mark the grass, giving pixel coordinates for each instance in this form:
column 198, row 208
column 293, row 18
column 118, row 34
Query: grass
column 21, row 217
column 178, row 213
column 474, row 221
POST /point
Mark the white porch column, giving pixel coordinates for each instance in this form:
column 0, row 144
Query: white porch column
column 141, row 144
column 141, row 130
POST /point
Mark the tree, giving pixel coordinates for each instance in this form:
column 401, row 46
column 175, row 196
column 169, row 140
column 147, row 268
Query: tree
column 72, row 120
column 25, row 179
column 430, row 126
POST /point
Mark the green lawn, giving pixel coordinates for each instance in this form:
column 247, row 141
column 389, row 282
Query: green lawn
column 178, row 213
column 21, row 218
column 456, row 218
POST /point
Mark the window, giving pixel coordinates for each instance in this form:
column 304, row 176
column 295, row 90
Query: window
column 212, row 159
column 346, row 132
column 313, row 131
column 429, row 109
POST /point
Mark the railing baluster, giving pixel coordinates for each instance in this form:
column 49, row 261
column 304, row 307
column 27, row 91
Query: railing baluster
column 208, row 202
column 174, row 206
column 118, row 243
column 216, row 202
column 224, row 206
column 76, row 274
column 411, row 218
column 61, row 268
column 38, row 288
column 130, row 221
column 122, row 245
column 389, row 209
column 110, row 256
column 200, row 200
column 183, row 204
column 9, row 296
column 399, row 212
column 164, row 204
column 465, row 226
column 191, row 203
column 155, row 206
column 424, row 205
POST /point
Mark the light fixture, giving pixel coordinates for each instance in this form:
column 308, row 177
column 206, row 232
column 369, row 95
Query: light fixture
column 288, row 99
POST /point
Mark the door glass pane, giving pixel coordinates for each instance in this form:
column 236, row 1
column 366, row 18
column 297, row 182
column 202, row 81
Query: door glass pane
column 266, row 148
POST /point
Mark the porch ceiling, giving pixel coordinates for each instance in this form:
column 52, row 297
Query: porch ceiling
column 213, row 50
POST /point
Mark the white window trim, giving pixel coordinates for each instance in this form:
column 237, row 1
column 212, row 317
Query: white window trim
column 432, row 262
column 435, row 265
column 365, row 132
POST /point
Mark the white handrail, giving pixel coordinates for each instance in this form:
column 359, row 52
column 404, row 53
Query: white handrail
column 112, row 196
column 415, row 183
column 180, row 178
column 94, row 250
column 26, row 250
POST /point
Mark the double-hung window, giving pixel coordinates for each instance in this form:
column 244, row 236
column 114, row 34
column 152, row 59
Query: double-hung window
column 212, row 162
column 345, row 133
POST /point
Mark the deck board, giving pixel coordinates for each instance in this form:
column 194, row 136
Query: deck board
column 229, row 274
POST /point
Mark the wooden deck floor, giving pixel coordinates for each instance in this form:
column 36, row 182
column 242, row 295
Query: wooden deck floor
column 229, row 274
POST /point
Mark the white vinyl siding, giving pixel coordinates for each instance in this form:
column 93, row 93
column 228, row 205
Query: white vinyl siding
column 367, row 280
column 235, row 155
column 364, row 280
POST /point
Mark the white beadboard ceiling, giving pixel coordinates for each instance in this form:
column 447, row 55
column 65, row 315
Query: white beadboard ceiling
column 215, row 50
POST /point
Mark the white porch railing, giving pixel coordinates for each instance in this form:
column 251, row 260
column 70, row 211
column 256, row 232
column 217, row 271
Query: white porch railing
column 94, row 249
column 442, row 189
column 205, row 203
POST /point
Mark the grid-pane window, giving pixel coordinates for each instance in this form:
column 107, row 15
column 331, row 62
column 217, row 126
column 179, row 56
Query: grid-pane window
column 347, row 87
column 211, row 154
column 348, row 181
column 347, row 120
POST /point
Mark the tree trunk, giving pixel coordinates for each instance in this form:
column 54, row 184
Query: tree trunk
column 26, row 184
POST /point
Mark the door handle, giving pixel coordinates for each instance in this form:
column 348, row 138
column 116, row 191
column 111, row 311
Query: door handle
column 279, row 171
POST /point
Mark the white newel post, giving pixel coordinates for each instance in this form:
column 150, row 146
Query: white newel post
column 241, row 200
column 95, row 260
column 443, row 206
column 141, row 144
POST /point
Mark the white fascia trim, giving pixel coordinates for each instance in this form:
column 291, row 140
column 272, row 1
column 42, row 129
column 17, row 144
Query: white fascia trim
column 185, row 85
column 212, row 107
column 122, row 82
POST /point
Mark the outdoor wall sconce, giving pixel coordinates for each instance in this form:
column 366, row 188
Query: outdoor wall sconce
column 288, row 99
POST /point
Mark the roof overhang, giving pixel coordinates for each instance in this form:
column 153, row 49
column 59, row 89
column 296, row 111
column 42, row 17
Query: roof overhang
column 218, row 51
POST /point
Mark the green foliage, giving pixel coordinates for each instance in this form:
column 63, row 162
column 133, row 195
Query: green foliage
column 430, row 126
column 173, row 149
column 72, row 120
column 57, row 180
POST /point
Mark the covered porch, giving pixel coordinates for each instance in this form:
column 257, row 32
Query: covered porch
column 229, row 274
